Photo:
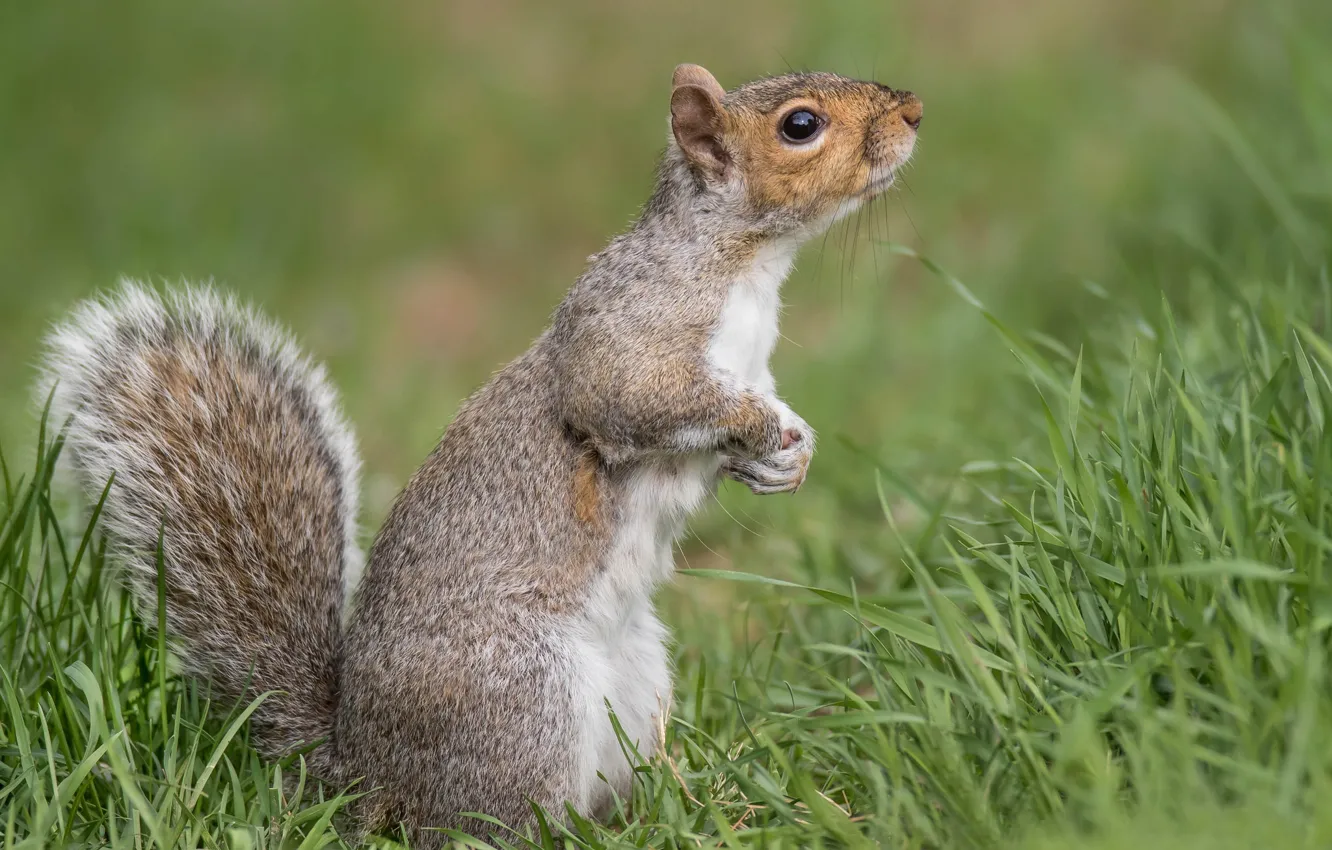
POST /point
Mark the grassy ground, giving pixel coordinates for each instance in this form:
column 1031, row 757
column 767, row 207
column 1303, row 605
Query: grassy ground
column 1057, row 579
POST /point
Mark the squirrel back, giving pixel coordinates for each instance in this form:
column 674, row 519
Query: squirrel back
column 228, row 446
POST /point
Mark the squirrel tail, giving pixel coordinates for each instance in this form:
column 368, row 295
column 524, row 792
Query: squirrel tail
column 227, row 445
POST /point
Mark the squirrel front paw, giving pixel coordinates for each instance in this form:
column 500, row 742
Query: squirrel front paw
column 782, row 471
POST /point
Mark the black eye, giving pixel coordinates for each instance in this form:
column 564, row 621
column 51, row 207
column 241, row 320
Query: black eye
column 801, row 126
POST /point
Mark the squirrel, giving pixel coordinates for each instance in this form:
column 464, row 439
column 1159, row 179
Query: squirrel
column 506, row 605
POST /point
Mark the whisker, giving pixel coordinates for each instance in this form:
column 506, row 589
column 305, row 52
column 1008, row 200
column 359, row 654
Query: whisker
column 726, row 511
column 873, row 246
column 823, row 249
column 862, row 221
column 845, row 263
column 920, row 240
column 856, row 241
column 678, row 548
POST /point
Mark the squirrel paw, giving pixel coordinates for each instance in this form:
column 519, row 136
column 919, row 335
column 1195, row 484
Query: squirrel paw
column 781, row 472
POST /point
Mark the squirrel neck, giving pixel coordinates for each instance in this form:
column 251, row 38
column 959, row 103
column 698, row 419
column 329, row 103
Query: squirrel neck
column 709, row 224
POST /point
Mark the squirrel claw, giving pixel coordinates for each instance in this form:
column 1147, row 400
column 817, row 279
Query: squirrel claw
column 783, row 472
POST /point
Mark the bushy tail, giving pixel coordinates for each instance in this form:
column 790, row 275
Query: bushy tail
column 229, row 442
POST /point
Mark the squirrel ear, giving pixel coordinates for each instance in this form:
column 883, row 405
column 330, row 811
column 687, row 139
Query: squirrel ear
column 696, row 121
column 697, row 75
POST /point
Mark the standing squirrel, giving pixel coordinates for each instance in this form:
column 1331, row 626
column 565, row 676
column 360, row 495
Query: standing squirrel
column 507, row 601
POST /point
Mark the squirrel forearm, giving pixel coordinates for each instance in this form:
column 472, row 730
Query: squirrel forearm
column 674, row 408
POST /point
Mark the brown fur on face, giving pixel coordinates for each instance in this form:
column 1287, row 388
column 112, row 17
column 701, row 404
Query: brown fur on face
column 868, row 131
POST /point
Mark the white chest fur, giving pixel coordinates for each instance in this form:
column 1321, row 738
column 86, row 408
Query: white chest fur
column 745, row 336
column 624, row 653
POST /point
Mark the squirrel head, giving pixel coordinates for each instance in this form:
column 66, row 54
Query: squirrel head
column 790, row 153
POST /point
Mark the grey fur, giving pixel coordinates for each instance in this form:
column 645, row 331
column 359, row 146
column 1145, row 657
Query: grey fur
column 459, row 684
column 222, row 434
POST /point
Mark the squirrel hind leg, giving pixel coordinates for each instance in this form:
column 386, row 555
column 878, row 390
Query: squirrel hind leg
column 228, row 443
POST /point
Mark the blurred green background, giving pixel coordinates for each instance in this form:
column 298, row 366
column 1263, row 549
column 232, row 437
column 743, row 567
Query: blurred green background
column 412, row 185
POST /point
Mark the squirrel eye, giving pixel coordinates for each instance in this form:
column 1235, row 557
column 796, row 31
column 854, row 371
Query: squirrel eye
column 801, row 126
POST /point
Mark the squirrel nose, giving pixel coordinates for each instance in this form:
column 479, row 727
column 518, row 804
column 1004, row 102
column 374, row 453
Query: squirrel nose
column 911, row 110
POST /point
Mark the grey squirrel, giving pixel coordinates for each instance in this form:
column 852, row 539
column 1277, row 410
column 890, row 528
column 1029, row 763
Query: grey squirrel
column 507, row 600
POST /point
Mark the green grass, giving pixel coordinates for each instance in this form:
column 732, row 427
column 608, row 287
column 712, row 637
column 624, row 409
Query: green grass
column 1129, row 627
column 1058, row 578
column 1126, row 628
